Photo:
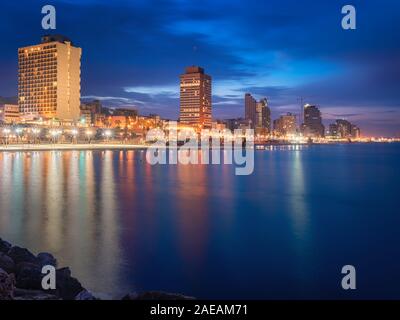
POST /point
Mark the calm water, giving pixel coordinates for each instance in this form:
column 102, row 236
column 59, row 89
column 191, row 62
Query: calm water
column 283, row 232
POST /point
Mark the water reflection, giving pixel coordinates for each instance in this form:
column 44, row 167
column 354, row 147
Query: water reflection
column 50, row 201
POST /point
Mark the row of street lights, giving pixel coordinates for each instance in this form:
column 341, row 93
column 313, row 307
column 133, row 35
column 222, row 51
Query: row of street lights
column 54, row 134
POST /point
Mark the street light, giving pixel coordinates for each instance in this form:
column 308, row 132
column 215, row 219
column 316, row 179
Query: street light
column 89, row 134
column 74, row 134
column 54, row 134
column 108, row 134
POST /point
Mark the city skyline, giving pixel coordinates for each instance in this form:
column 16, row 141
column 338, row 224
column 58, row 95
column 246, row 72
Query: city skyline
column 353, row 77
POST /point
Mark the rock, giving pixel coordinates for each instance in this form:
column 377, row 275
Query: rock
column 29, row 276
column 21, row 255
column 7, row 285
column 156, row 295
column 6, row 263
column 85, row 295
column 4, row 246
column 130, row 296
column 46, row 259
column 67, row 287
column 23, row 294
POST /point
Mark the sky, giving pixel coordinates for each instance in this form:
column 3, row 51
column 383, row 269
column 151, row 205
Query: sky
column 286, row 50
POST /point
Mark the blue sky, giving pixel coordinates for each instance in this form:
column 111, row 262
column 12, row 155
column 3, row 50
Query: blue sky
column 134, row 51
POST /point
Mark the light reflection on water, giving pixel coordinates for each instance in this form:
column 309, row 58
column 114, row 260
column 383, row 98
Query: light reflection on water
column 283, row 232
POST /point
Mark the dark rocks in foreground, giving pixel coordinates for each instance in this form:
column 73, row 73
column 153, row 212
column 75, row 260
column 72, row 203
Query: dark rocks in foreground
column 21, row 276
column 21, row 279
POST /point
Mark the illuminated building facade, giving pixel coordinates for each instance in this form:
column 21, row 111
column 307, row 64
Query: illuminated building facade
column 195, row 98
column 9, row 113
column 49, row 79
column 285, row 125
column 263, row 117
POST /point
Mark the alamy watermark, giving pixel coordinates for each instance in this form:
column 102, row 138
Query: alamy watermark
column 186, row 146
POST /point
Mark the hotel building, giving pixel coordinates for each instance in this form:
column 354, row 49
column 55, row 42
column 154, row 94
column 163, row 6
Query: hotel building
column 49, row 77
column 195, row 98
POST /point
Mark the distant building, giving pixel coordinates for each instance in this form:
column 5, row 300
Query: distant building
column 89, row 111
column 218, row 125
column 312, row 122
column 250, row 106
column 343, row 129
column 9, row 113
column 263, row 117
column 285, row 125
column 238, row 123
column 49, row 79
column 195, row 98
column 333, row 130
column 355, row 131
column 117, row 118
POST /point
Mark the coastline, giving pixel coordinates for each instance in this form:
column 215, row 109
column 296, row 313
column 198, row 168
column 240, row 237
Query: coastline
column 120, row 146
column 21, row 279
column 70, row 147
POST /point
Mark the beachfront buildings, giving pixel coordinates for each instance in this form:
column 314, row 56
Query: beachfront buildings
column 262, row 124
column 343, row 129
column 195, row 98
column 49, row 79
column 258, row 114
column 9, row 113
column 285, row 125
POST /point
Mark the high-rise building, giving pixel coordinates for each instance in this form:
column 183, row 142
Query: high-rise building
column 285, row 125
column 195, row 98
column 343, row 129
column 263, row 117
column 49, row 79
column 250, row 106
column 312, row 125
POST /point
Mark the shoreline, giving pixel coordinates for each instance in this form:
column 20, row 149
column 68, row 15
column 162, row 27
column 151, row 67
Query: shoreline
column 70, row 147
column 116, row 146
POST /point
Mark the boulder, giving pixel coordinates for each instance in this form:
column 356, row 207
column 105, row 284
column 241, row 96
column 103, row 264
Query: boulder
column 6, row 263
column 23, row 294
column 29, row 276
column 7, row 285
column 67, row 287
column 85, row 295
column 21, row 255
column 46, row 259
column 4, row 246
